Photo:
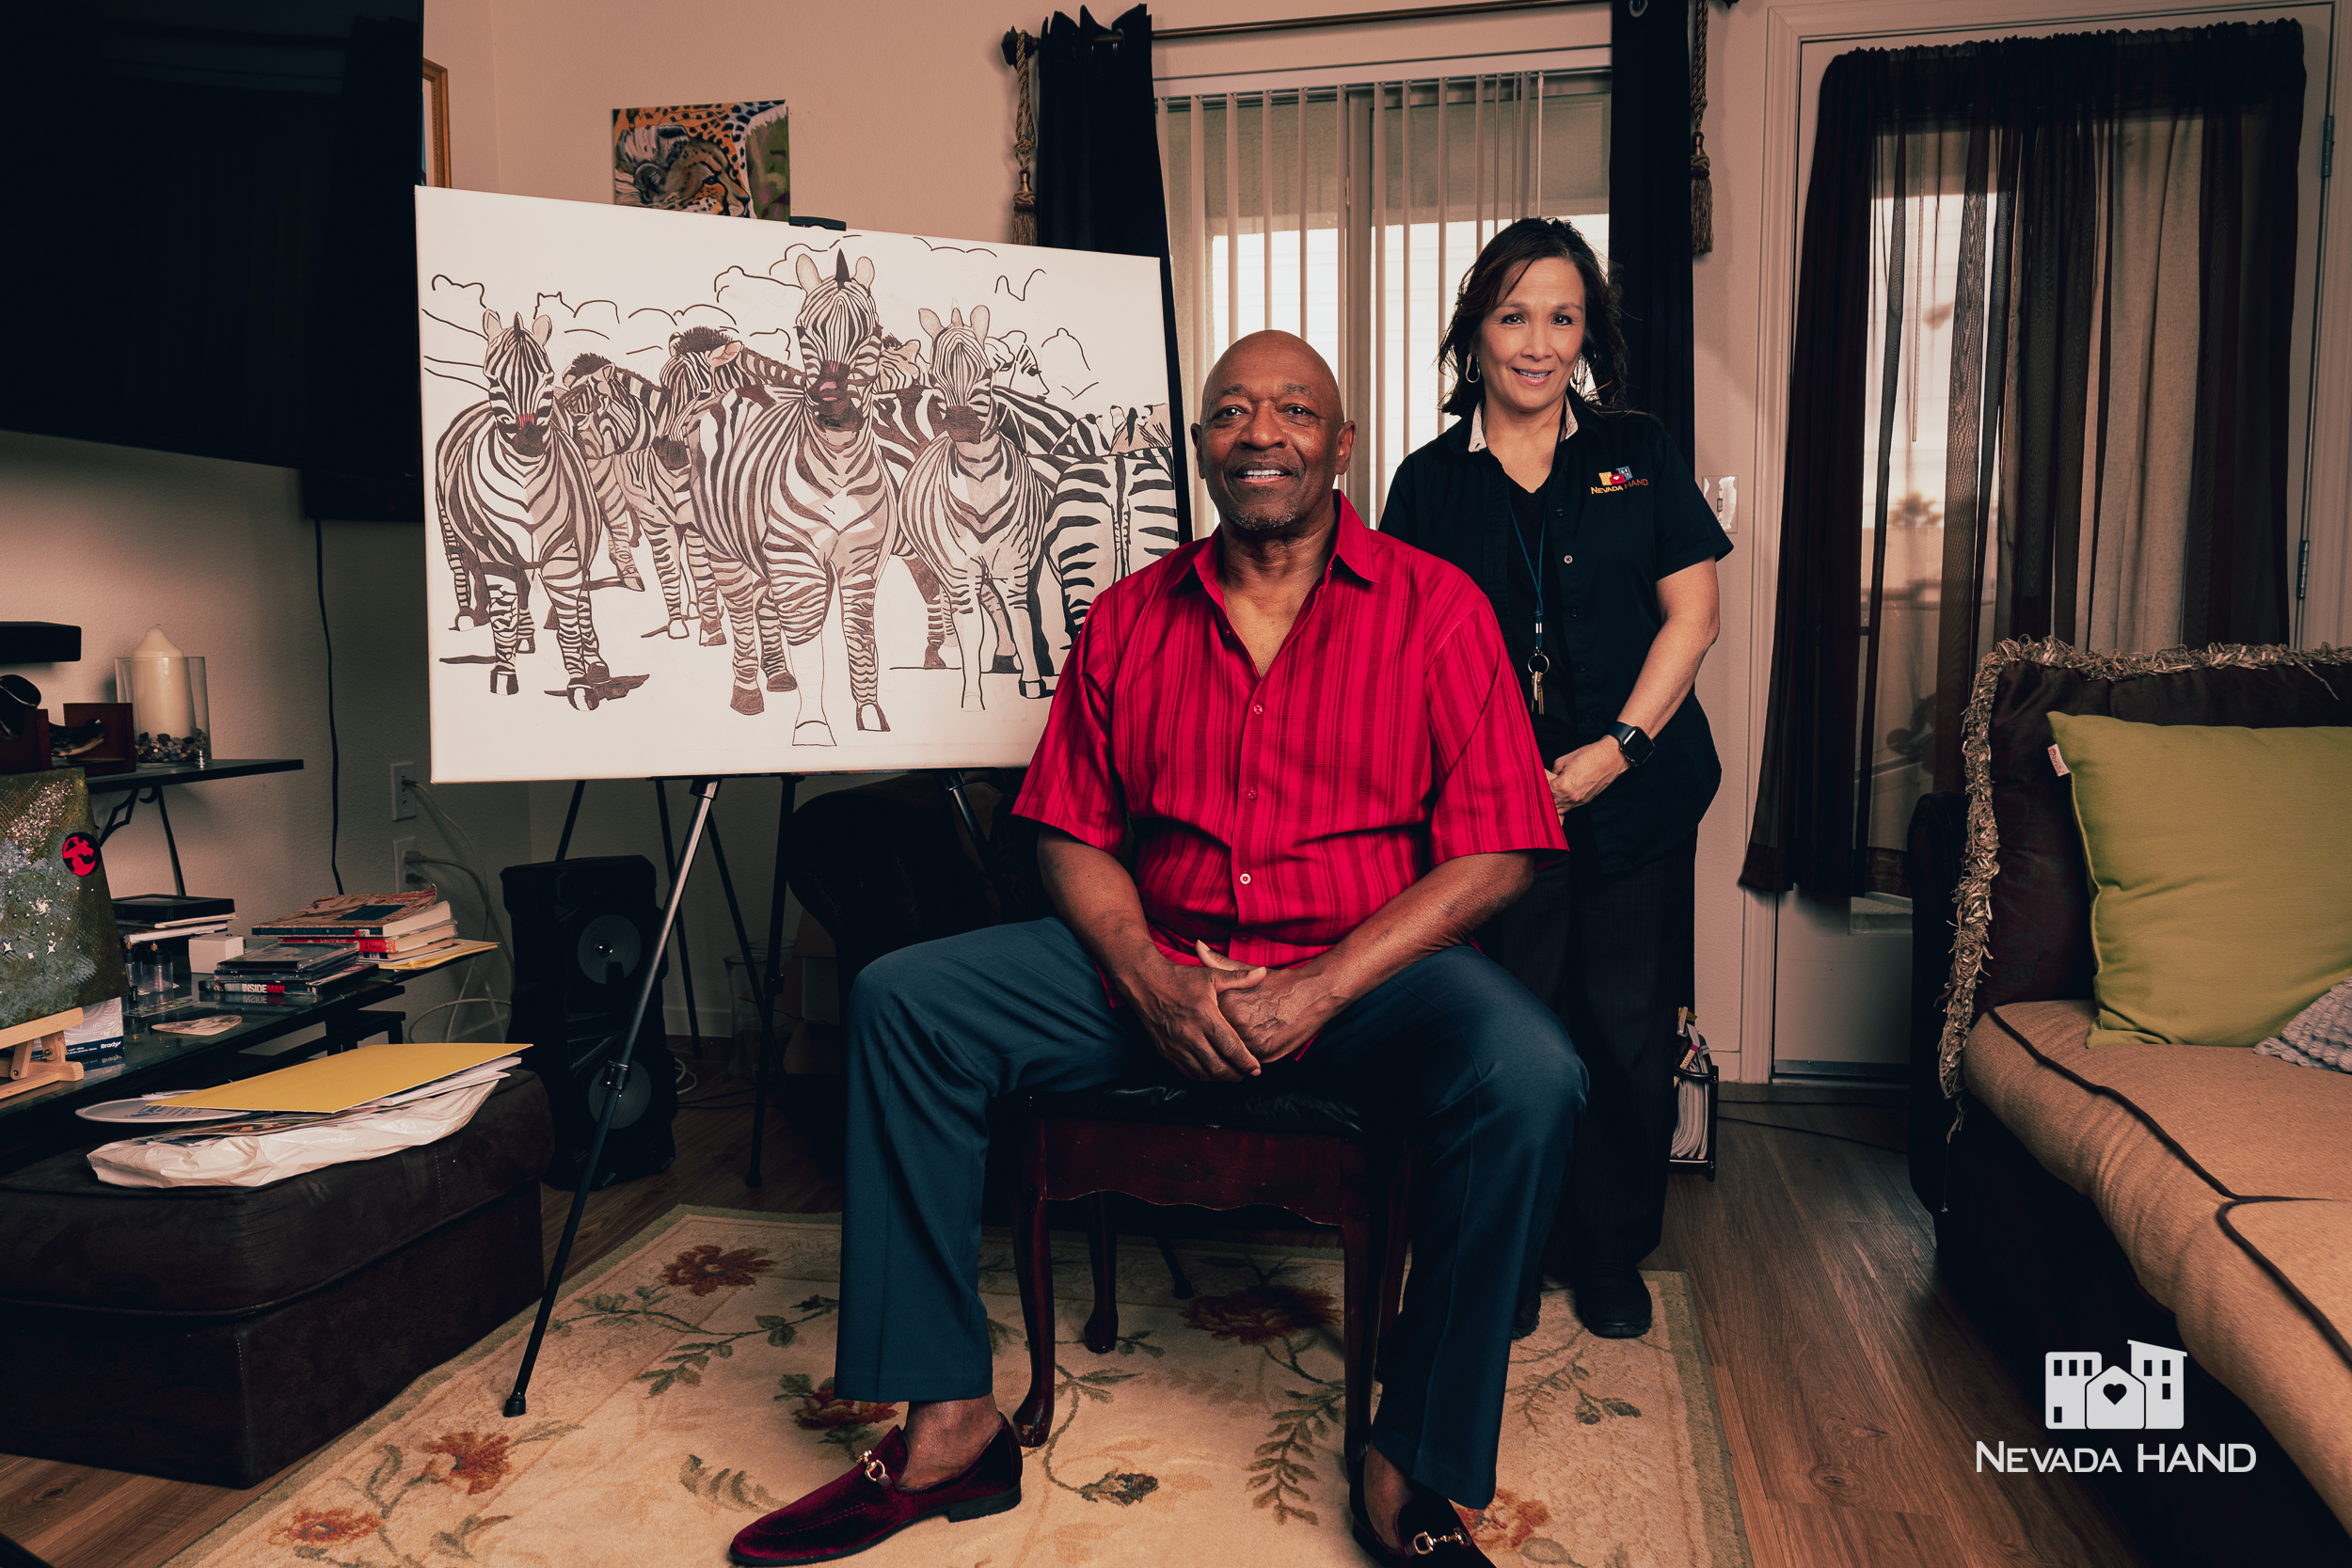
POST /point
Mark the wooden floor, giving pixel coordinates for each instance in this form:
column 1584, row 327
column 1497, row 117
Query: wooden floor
column 1853, row 1391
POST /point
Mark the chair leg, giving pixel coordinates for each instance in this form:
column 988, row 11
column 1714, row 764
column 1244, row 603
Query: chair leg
column 1396, row 1198
column 1357, row 1239
column 1103, row 1251
column 1179, row 1284
column 1033, row 1270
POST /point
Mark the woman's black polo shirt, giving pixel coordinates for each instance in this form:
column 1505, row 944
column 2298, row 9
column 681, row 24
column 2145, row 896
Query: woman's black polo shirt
column 1624, row 512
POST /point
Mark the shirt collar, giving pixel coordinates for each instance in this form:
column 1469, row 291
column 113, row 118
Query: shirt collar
column 1351, row 547
column 1478, row 424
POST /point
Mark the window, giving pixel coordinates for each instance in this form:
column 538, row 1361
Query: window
column 1387, row 190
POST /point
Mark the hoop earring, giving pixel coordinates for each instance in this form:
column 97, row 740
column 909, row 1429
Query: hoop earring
column 1472, row 376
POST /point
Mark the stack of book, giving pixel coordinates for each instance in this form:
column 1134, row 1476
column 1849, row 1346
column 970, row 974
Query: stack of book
column 144, row 917
column 381, row 927
column 282, row 972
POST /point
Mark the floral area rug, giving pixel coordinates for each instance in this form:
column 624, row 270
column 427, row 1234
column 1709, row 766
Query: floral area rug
column 687, row 1390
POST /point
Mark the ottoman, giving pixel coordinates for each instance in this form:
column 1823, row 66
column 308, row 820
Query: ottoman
column 218, row 1334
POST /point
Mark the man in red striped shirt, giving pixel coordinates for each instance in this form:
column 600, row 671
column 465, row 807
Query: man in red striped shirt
column 1311, row 739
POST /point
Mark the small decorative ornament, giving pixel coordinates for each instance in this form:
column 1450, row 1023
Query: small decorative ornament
column 80, row 854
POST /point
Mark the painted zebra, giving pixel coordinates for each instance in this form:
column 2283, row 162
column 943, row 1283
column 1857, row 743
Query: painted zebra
column 795, row 504
column 517, row 501
column 630, row 426
column 1113, row 506
column 705, row 365
column 976, row 506
column 1114, row 509
column 1113, row 512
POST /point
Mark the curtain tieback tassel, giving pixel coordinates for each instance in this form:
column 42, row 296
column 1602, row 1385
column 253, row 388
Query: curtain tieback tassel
column 1702, row 202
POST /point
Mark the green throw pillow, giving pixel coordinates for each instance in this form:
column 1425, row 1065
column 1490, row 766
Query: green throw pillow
column 2221, row 871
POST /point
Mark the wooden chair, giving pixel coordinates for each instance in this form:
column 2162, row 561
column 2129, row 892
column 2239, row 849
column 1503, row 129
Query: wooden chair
column 1216, row 1146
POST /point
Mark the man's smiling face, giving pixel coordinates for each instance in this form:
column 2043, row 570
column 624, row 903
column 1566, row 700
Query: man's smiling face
column 1271, row 437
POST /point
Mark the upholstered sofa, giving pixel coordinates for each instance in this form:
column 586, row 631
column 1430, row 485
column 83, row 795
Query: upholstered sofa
column 2174, row 1195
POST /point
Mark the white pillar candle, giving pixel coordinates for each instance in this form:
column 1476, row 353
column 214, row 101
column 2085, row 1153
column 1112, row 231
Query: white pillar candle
column 160, row 703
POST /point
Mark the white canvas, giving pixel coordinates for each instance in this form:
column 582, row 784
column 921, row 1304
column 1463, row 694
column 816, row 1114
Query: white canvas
column 677, row 465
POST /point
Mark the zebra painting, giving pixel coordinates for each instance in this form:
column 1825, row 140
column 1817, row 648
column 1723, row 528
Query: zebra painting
column 703, row 366
column 845, row 499
column 1112, row 513
column 517, row 502
column 796, row 506
column 975, row 507
column 616, row 414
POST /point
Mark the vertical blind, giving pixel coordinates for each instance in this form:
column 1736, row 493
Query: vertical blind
column 1348, row 213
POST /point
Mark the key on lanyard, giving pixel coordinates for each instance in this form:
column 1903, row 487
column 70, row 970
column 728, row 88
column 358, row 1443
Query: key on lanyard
column 1537, row 662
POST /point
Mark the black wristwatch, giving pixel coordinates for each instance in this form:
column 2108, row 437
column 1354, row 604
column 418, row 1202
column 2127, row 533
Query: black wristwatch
column 1636, row 746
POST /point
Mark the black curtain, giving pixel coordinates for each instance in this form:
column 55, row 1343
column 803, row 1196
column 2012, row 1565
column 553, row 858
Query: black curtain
column 2032, row 112
column 363, row 435
column 1098, row 172
column 1649, row 203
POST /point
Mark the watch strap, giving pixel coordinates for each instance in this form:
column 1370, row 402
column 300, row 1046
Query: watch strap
column 1636, row 746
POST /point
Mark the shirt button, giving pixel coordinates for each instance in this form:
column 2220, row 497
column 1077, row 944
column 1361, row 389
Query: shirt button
column 1257, row 707
column 1567, row 561
column 1245, row 878
column 1251, row 794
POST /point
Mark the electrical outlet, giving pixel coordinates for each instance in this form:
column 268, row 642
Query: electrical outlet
column 403, row 803
column 402, row 870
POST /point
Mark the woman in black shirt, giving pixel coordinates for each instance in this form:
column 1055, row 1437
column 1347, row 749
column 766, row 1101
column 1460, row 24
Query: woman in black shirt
column 1580, row 522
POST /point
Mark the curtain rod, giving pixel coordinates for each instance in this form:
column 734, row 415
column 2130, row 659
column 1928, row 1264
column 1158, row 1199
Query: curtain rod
column 1018, row 44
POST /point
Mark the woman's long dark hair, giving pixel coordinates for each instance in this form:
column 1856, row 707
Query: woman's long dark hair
column 1498, row 267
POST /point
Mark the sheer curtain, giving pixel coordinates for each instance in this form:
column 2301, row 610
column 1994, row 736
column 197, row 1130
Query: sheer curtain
column 2043, row 322
column 1348, row 213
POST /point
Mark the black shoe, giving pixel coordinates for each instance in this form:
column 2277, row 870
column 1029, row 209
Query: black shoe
column 1613, row 1302
column 1433, row 1533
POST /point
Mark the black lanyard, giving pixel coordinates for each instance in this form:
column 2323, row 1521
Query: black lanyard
column 1538, row 662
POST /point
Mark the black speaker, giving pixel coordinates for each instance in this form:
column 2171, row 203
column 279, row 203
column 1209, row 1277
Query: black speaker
column 585, row 931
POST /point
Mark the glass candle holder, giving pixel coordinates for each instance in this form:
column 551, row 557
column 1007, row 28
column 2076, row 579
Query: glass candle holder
column 171, row 705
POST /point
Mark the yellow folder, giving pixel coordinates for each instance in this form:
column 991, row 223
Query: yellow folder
column 348, row 1078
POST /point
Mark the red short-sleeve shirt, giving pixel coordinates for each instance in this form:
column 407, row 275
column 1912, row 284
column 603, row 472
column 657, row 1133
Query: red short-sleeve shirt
column 1273, row 815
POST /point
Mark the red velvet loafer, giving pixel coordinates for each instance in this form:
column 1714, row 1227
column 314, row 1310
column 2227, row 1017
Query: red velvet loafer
column 865, row 1508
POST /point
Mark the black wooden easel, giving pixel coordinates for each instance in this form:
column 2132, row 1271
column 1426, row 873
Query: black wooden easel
column 764, row 975
column 623, row 1045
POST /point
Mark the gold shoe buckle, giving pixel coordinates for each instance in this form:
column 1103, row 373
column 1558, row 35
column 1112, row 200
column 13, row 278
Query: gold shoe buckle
column 1424, row 1543
column 875, row 1471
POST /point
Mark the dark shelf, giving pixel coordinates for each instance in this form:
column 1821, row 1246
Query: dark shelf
column 226, row 768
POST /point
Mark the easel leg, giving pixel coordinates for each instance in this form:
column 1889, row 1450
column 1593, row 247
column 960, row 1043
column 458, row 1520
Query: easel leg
column 563, row 844
column 685, row 958
column 777, row 886
column 616, row 1078
column 753, row 1175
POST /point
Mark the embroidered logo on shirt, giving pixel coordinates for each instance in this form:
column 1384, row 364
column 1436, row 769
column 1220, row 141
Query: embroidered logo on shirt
column 1615, row 480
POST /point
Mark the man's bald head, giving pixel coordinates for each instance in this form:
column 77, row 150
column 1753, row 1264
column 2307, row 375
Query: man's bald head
column 1272, row 433
column 1285, row 353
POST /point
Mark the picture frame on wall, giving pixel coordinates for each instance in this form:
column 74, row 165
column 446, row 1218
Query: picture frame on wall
column 432, row 159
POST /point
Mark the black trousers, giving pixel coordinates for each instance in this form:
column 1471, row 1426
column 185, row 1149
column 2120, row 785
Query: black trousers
column 936, row 1031
column 1611, row 955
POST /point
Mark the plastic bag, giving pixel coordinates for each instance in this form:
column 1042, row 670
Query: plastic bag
column 193, row 1158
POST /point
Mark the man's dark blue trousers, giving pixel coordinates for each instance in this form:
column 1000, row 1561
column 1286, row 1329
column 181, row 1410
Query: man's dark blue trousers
column 1479, row 1070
